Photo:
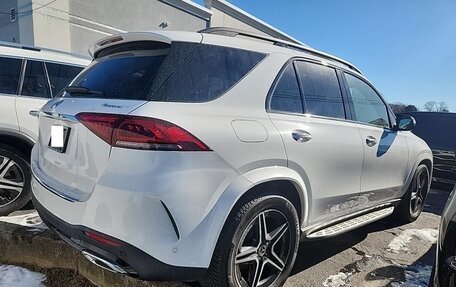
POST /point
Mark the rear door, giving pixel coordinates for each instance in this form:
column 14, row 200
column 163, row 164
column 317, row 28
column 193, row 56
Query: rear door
column 385, row 150
column 320, row 143
column 9, row 80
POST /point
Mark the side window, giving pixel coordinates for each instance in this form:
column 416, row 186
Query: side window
column 321, row 90
column 286, row 96
column 368, row 106
column 9, row 75
column 60, row 76
column 34, row 81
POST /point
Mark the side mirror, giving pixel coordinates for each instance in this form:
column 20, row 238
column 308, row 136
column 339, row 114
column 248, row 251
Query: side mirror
column 404, row 123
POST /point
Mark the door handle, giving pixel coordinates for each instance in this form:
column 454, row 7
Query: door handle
column 371, row 141
column 34, row 113
column 301, row 136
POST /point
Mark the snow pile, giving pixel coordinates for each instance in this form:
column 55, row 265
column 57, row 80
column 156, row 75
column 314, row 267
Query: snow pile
column 400, row 242
column 31, row 219
column 19, row 277
column 337, row 280
column 415, row 276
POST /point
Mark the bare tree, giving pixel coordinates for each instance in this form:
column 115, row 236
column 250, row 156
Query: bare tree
column 410, row 108
column 442, row 107
column 430, row 106
column 397, row 107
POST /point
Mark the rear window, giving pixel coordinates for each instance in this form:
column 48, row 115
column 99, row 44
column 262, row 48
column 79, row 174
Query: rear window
column 181, row 72
column 60, row 75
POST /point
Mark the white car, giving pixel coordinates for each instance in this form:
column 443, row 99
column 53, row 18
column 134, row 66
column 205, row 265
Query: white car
column 208, row 156
column 29, row 77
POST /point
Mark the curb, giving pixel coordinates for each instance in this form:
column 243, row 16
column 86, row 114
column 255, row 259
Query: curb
column 42, row 248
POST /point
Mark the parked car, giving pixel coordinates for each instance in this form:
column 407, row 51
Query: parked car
column 444, row 272
column 438, row 131
column 208, row 156
column 29, row 77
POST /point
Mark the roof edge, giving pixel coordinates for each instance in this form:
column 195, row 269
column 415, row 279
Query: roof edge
column 191, row 7
column 251, row 20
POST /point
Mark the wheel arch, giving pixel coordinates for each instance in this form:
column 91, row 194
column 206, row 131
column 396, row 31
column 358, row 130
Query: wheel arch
column 17, row 140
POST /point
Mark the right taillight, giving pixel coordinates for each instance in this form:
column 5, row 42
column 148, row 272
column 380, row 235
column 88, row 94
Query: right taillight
column 140, row 133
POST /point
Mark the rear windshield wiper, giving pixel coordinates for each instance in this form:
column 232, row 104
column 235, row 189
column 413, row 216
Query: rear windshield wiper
column 82, row 90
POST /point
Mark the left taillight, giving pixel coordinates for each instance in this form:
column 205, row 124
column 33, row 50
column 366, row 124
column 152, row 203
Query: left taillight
column 140, row 132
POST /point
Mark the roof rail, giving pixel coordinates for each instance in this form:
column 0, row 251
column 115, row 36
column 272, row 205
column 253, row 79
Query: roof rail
column 38, row 49
column 232, row 32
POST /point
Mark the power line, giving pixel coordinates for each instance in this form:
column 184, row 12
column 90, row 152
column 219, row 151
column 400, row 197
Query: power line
column 31, row 10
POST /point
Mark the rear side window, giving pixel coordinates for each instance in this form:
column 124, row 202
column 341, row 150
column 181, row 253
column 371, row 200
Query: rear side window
column 321, row 91
column 61, row 75
column 208, row 73
column 34, row 81
column 367, row 105
column 286, row 96
column 9, row 75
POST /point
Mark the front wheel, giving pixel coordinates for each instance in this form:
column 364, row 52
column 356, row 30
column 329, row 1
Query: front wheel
column 412, row 203
column 257, row 246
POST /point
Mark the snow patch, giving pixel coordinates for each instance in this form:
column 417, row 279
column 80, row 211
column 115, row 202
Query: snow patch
column 337, row 280
column 399, row 243
column 415, row 276
column 20, row 277
column 31, row 219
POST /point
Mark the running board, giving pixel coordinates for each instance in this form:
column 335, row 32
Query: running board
column 351, row 224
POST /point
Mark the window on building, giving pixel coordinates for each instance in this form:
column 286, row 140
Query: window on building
column 9, row 75
column 321, row 90
column 368, row 106
column 286, row 96
column 35, row 81
column 60, row 76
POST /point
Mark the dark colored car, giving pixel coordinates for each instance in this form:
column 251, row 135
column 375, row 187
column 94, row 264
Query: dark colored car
column 444, row 273
column 438, row 130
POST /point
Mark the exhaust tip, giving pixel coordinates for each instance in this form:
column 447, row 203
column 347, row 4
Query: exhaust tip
column 103, row 263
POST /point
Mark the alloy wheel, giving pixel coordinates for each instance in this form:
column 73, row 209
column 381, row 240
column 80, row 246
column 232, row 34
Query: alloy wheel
column 419, row 192
column 263, row 250
column 12, row 180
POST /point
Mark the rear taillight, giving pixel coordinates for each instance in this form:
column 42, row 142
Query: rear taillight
column 140, row 133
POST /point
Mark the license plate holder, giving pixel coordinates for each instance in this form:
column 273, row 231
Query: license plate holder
column 58, row 140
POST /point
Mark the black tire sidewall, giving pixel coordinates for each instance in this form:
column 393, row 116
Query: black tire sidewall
column 26, row 193
column 404, row 212
column 267, row 203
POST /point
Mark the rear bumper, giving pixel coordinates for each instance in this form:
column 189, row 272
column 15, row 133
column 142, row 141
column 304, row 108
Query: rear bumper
column 125, row 258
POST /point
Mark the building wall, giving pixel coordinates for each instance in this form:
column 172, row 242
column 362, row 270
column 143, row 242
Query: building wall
column 8, row 31
column 222, row 19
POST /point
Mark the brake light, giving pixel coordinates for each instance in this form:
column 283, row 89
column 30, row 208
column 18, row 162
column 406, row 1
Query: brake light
column 102, row 238
column 140, row 133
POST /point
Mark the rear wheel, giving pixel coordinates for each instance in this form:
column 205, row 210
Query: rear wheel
column 257, row 246
column 15, row 178
column 412, row 203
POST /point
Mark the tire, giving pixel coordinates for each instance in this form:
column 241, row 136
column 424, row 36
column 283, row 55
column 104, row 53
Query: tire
column 412, row 202
column 274, row 252
column 15, row 178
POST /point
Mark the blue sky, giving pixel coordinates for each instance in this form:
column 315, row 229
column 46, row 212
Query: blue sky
column 407, row 48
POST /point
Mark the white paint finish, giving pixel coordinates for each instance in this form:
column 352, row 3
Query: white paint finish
column 249, row 131
column 331, row 160
column 28, row 124
column 8, row 112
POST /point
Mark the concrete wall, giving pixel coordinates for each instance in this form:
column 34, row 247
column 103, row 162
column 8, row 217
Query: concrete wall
column 8, row 31
column 221, row 19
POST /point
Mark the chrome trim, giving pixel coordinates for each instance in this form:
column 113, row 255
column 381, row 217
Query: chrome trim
column 57, row 116
column 105, row 264
column 54, row 191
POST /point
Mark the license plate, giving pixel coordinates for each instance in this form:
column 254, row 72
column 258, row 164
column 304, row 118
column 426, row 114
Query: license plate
column 59, row 138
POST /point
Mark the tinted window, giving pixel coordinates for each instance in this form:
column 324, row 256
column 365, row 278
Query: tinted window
column 208, row 73
column 321, row 91
column 34, row 81
column 368, row 107
column 9, row 75
column 61, row 75
column 286, row 96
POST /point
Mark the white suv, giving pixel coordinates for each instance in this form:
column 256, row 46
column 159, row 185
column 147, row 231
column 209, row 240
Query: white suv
column 29, row 77
column 208, row 156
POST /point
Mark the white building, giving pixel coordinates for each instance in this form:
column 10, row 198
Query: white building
column 72, row 25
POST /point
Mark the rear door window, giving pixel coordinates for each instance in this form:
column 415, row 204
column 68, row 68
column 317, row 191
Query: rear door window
column 9, row 75
column 286, row 96
column 321, row 90
column 61, row 75
column 35, row 82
